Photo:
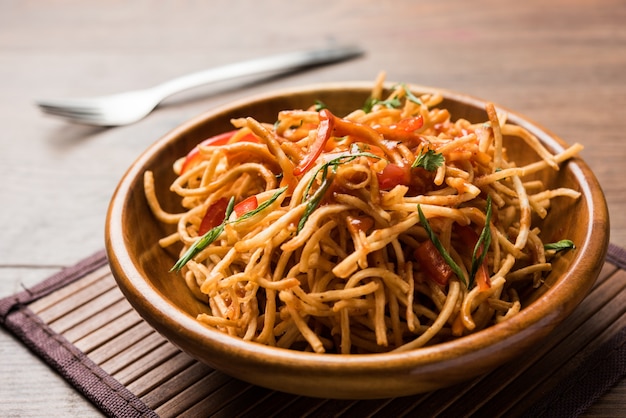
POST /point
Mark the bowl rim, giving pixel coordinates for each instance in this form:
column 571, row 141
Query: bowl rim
column 148, row 302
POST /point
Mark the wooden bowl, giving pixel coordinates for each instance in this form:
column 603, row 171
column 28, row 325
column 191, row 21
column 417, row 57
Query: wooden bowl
column 141, row 267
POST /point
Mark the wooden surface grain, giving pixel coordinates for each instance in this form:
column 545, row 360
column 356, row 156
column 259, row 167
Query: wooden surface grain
column 562, row 63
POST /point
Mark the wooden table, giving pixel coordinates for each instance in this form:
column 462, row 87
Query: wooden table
column 561, row 63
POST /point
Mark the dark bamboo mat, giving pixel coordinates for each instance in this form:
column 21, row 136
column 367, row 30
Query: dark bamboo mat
column 79, row 323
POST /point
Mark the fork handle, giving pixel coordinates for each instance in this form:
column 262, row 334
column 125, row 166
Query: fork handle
column 274, row 63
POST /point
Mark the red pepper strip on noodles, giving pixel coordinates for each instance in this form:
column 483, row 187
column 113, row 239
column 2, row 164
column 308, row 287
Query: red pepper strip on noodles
column 333, row 126
column 403, row 131
column 393, row 175
column 470, row 239
column 248, row 204
column 324, row 132
column 432, row 263
column 214, row 216
column 216, row 212
column 368, row 135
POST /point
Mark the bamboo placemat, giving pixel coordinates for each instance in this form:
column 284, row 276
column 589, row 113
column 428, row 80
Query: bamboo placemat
column 80, row 324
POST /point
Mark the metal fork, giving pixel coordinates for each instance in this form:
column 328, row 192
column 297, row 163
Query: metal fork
column 129, row 107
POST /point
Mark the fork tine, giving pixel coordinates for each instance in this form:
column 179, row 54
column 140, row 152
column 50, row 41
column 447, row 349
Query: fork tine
column 73, row 113
column 93, row 116
column 59, row 111
column 77, row 117
column 76, row 107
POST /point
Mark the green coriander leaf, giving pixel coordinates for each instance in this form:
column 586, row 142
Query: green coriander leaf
column 392, row 103
column 369, row 104
column 430, row 161
column 410, row 96
column 484, row 241
column 333, row 164
column 564, row 244
column 324, row 170
column 210, row 236
column 448, row 259
column 262, row 206
column 205, row 240
column 319, row 105
column 314, row 200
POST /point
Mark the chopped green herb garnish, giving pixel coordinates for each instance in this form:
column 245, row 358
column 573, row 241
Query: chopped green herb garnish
column 448, row 259
column 369, row 104
column 334, row 163
column 563, row 245
column 205, row 240
column 410, row 96
column 484, row 241
column 210, row 236
column 319, row 105
column 314, row 200
column 392, row 103
column 430, row 161
column 260, row 207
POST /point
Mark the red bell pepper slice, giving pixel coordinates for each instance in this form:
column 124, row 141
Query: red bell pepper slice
column 222, row 139
column 432, row 263
column 216, row 213
column 410, row 124
column 246, row 205
column 470, row 238
column 214, row 216
column 324, row 132
column 403, row 131
column 393, row 175
column 482, row 277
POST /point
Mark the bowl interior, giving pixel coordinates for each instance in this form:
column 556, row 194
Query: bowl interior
column 141, row 266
